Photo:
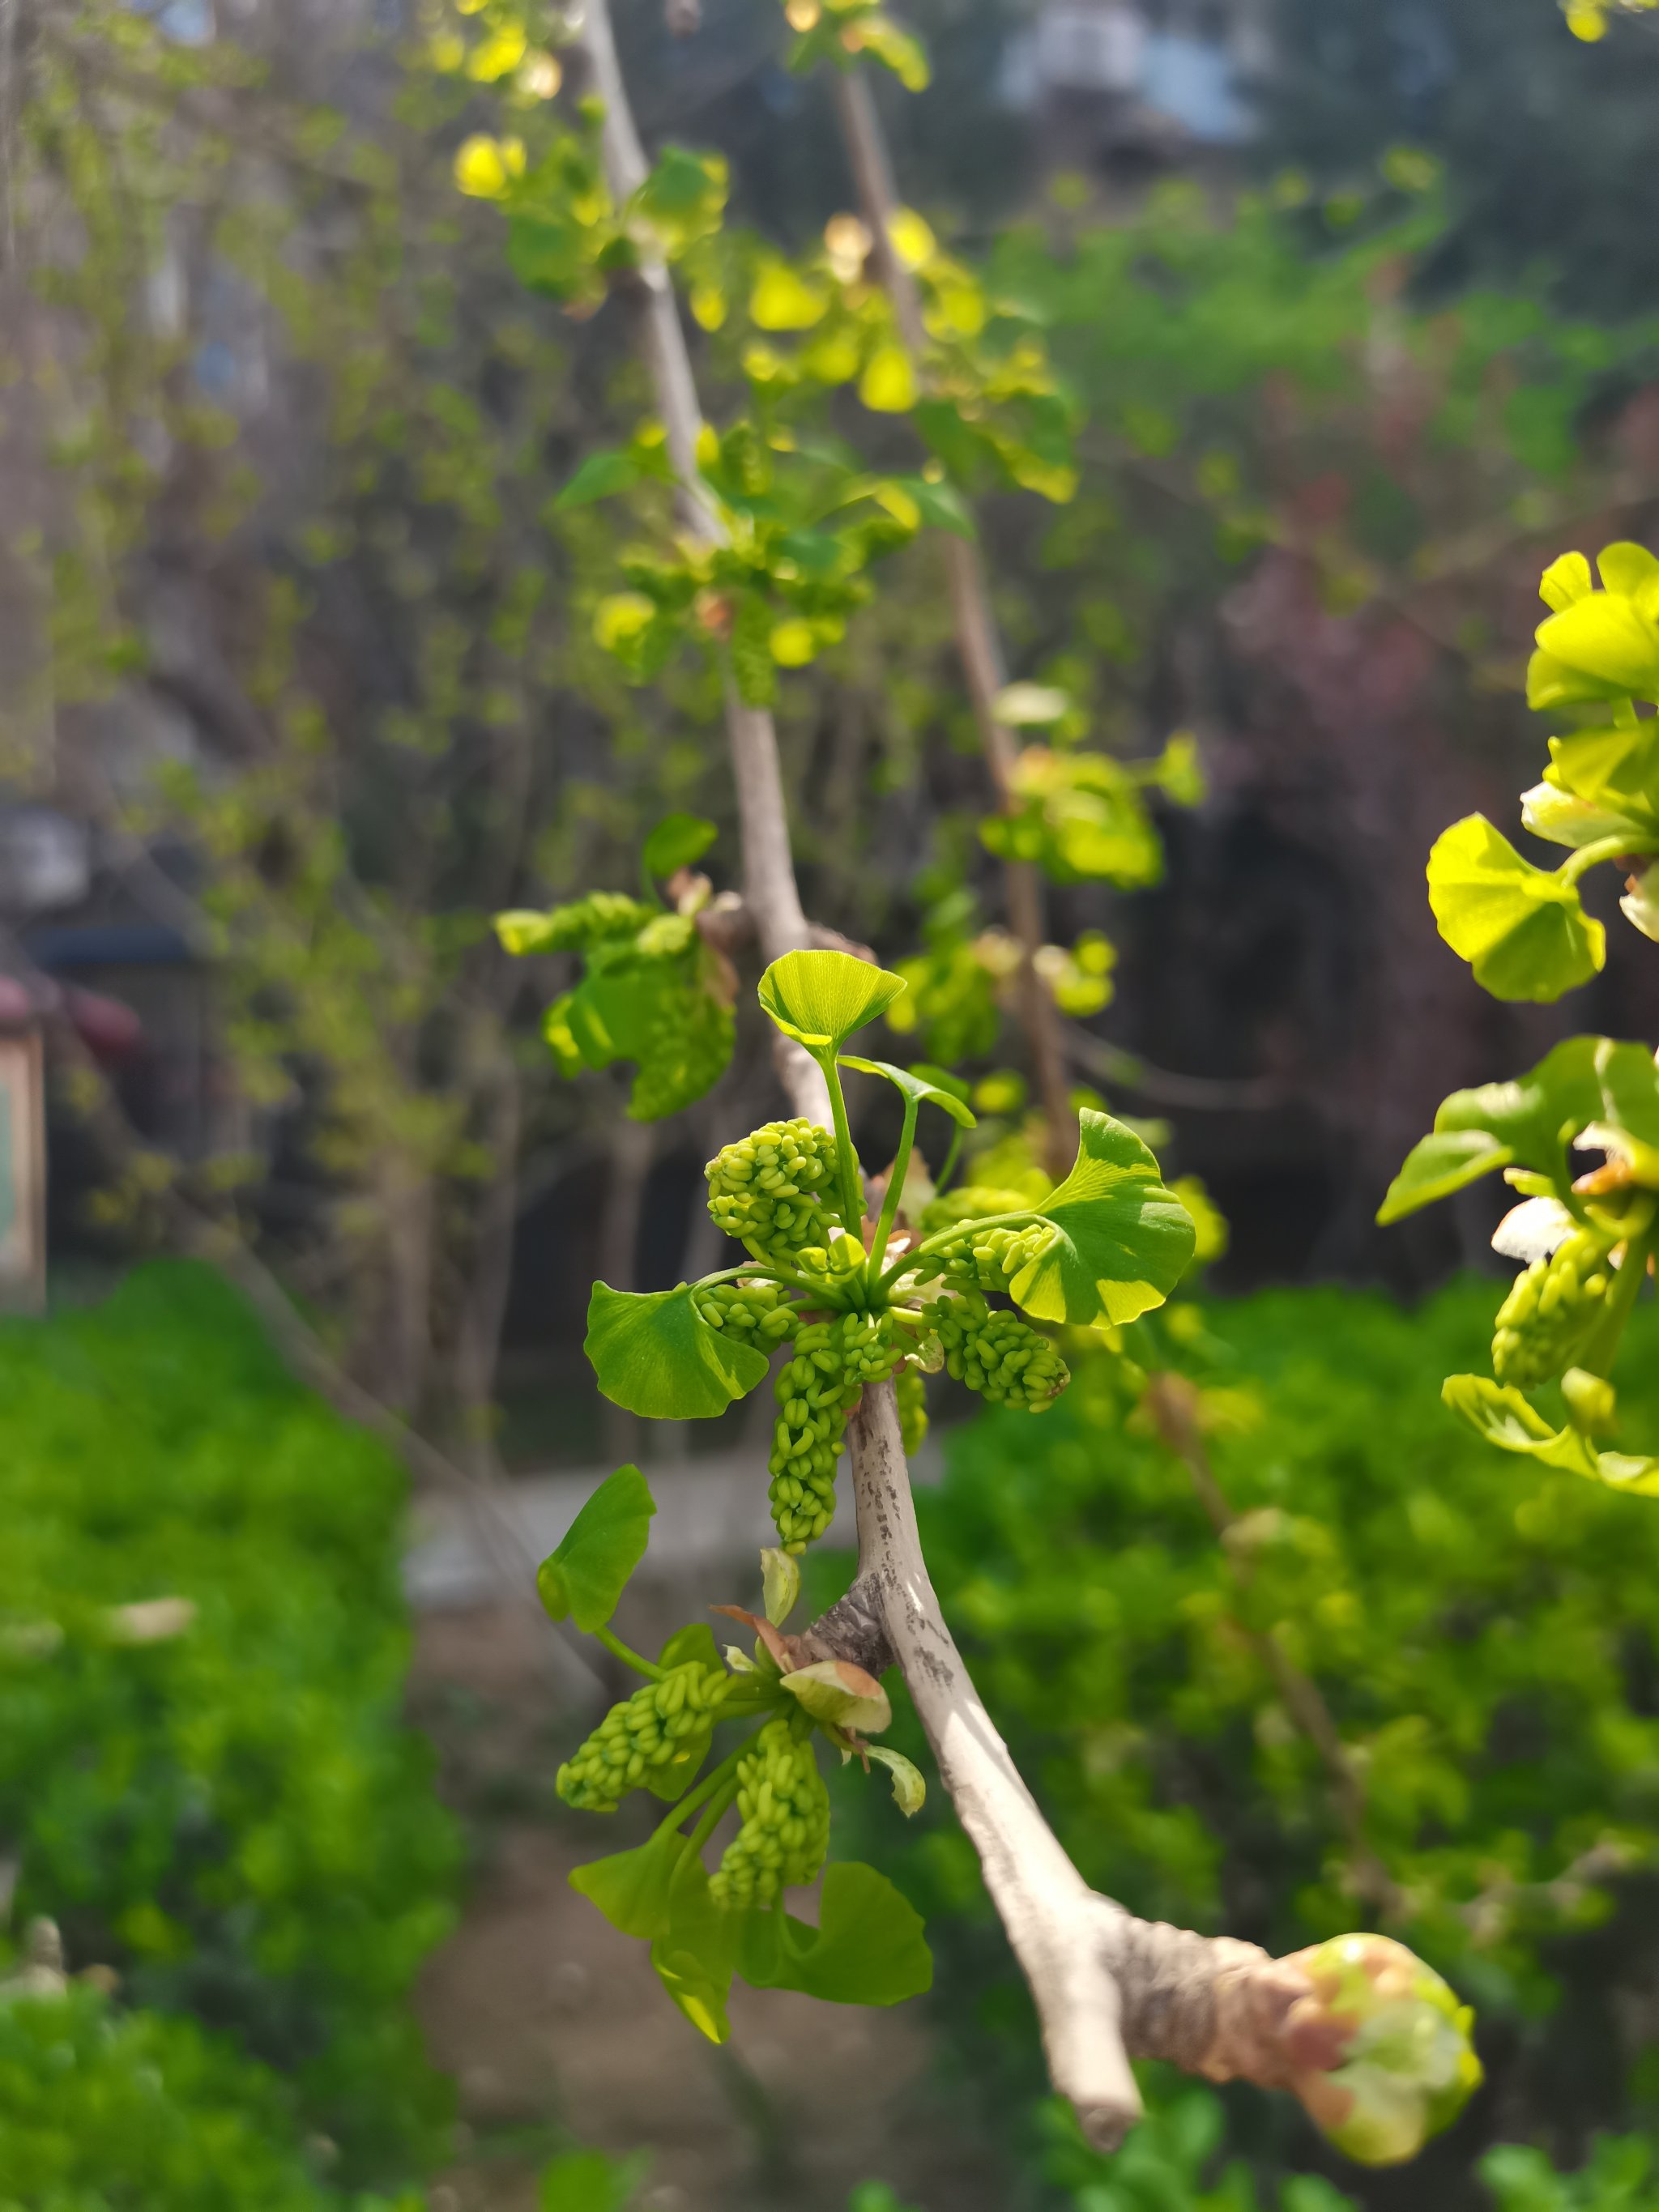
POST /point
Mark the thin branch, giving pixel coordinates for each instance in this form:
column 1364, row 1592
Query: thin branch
column 978, row 645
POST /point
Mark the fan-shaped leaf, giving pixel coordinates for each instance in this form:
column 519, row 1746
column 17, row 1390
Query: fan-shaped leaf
column 653, row 1353
column 588, row 1571
column 820, row 998
column 1121, row 1240
column 1522, row 929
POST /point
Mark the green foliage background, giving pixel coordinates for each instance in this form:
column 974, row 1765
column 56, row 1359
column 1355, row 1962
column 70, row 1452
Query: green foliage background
column 235, row 1818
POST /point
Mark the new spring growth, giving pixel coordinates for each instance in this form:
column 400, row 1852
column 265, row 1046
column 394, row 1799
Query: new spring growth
column 1404, row 2064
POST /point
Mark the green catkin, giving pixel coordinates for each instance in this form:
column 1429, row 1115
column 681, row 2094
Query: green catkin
column 759, row 1313
column 998, row 1354
column 766, row 1190
column 816, row 1389
column 912, row 1392
column 1553, row 1307
column 786, row 1821
column 986, row 1256
column 665, row 1725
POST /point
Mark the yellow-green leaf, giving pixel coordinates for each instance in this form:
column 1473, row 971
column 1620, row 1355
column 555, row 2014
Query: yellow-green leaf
column 820, row 998
column 1523, row 930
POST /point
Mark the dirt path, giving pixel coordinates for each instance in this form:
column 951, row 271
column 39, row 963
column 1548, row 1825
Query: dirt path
column 554, row 2027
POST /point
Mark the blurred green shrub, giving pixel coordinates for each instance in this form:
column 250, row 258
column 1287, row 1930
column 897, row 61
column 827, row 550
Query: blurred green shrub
column 102, row 2111
column 221, row 1803
column 1622, row 2175
column 1487, row 1645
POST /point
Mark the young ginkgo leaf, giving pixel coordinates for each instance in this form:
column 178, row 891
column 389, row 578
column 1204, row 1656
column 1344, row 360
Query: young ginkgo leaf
column 910, row 1790
column 1121, row 1238
column 676, row 842
column 1523, row 930
column 695, row 1954
column 820, row 998
column 917, row 1084
column 868, row 1947
column 835, row 1691
column 653, row 1353
column 631, row 1888
column 588, row 1569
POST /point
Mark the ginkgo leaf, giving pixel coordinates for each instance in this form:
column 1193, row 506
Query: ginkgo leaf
column 821, row 998
column 1605, row 637
column 1439, row 1165
column 909, row 1790
column 695, row 1954
column 654, row 1354
column 588, row 1570
column 631, row 1887
column 912, row 1083
column 1529, row 1122
column 1523, row 930
column 868, row 1947
column 1499, row 1414
column 1121, row 1241
column 676, row 842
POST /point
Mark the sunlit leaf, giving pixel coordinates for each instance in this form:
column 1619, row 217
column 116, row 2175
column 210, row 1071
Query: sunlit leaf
column 1121, row 1239
column 820, row 998
column 1439, row 1165
column 588, row 1569
column 1499, row 1413
column 653, row 1353
column 912, row 1083
column 782, row 300
column 1522, row 929
column 1605, row 638
column 888, row 385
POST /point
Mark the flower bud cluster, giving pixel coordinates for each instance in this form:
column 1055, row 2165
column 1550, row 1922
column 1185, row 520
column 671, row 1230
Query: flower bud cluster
column 664, row 1724
column 1551, row 1311
column 987, row 1257
column 816, row 1391
column 763, row 1191
column 998, row 1354
column 759, row 1313
column 786, row 1821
